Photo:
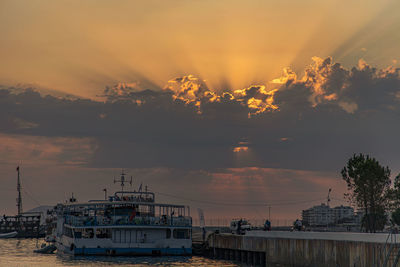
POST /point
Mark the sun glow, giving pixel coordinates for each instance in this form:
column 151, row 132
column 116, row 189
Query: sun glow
column 240, row 149
column 231, row 44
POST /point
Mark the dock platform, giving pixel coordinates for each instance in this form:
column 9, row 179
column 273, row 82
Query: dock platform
column 328, row 249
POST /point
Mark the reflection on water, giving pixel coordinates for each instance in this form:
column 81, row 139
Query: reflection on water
column 19, row 252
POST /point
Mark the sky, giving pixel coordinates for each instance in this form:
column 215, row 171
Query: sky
column 228, row 106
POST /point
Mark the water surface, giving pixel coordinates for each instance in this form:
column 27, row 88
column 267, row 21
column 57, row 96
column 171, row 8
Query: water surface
column 19, row 252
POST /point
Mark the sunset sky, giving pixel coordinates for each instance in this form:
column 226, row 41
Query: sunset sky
column 229, row 106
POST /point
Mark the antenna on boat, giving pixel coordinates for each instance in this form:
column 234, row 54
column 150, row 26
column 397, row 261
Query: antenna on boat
column 140, row 187
column 122, row 180
column 72, row 199
column 105, row 193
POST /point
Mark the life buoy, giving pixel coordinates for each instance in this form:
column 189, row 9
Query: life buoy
column 133, row 215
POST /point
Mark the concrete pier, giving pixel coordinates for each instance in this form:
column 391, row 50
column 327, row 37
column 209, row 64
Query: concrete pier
column 258, row 248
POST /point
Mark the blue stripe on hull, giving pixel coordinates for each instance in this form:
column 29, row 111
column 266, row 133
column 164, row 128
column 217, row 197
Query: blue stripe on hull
column 133, row 251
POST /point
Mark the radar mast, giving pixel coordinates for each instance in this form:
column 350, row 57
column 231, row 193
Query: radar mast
column 123, row 180
column 19, row 199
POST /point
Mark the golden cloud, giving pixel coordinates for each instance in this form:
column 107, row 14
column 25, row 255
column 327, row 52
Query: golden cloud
column 288, row 75
column 325, row 80
column 192, row 90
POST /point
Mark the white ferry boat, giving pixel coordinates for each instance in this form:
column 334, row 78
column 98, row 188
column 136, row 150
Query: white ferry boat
column 127, row 223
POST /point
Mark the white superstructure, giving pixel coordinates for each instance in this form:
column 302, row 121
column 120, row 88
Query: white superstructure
column 128, row 223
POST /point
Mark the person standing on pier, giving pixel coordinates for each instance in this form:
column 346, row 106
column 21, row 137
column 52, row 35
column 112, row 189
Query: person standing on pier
column 298, row 225
column 267, row 225
column 239, row 227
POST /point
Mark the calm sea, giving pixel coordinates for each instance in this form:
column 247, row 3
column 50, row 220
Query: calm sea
column 19, row 252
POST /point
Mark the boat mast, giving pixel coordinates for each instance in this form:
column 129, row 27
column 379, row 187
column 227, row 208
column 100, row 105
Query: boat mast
column 19, row 199
column 122, row 181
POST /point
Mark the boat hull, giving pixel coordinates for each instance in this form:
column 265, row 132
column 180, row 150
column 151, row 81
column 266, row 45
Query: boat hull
column 9, row 235
column 124, row 251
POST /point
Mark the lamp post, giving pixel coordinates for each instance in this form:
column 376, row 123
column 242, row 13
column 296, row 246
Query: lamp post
column 327, row 208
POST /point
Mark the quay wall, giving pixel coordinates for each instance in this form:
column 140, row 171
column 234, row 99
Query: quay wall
column 306, row 249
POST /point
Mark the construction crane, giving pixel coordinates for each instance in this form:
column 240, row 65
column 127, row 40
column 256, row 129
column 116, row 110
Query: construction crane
column 328, row 199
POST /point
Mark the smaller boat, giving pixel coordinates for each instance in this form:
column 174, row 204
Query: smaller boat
column 46, row 249
column 9, row 235
column 50, row 239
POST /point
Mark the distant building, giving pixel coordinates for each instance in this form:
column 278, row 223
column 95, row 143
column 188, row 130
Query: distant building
column 318, row 215
column 325, row 215
column 343, row 214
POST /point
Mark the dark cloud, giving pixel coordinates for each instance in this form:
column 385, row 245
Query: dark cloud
column 314, row 123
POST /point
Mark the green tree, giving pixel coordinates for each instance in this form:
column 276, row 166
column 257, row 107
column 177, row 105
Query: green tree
column 396, row 216
column 394, row 194
column 379, row 217
column 368, row 183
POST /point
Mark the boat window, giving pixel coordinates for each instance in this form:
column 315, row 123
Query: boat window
column 103, row 233
column 100, row 212
column 168, row 233
column 67, row 231
column 123, row 236
column 117, row 236
column 78, row 233
column 181, row 234
column 88, row 233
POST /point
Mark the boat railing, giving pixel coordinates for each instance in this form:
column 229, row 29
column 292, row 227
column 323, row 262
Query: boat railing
column 127, row 220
